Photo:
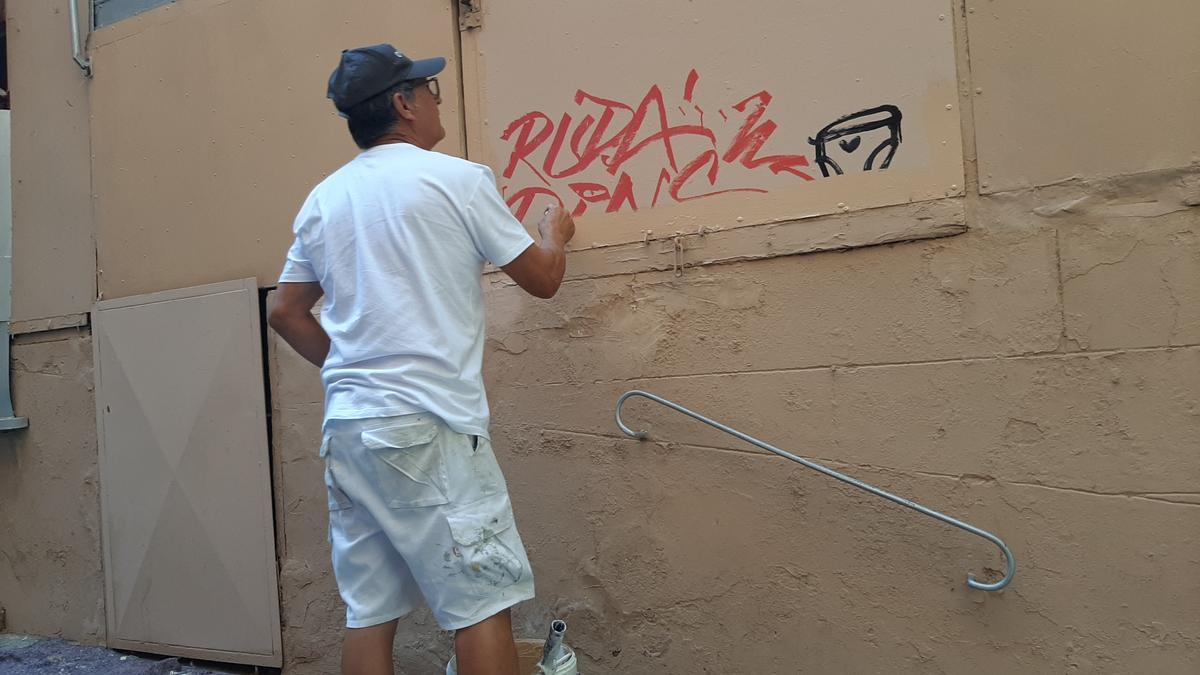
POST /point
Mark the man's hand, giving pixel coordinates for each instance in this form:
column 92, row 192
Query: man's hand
column 557, row 225
column 540, row 269
column 291, row 316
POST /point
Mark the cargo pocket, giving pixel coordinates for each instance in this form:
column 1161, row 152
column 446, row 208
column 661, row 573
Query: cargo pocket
column 482, row 556
column 412, row 472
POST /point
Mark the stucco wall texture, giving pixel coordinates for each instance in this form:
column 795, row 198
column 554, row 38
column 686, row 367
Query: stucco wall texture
column 51, row 578
column 1037, row 374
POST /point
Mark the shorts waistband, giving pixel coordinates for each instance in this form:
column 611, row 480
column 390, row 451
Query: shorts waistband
column 344, row 426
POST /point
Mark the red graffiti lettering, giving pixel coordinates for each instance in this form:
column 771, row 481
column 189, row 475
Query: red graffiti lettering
column 609, row 152
column 751, row 138
column 522, row 200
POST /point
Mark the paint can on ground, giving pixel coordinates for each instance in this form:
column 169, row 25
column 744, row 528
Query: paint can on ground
column 530, row 652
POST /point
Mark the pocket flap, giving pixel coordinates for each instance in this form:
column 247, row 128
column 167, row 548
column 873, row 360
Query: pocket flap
column 481, row 520
column 404, row 435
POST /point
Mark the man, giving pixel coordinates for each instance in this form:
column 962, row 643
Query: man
column 396, row 241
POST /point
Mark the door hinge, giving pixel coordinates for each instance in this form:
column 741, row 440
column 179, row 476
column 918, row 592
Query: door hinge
column 470, row 14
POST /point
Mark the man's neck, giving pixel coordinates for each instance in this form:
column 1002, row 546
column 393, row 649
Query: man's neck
column 393, row 137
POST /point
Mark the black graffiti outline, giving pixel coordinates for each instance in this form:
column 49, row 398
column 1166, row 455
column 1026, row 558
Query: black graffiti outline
column 830, row 132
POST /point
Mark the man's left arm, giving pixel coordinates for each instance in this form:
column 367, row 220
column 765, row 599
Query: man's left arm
column 291, row 316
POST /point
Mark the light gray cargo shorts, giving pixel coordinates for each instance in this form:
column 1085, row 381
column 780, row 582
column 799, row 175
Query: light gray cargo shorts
column 417, row 510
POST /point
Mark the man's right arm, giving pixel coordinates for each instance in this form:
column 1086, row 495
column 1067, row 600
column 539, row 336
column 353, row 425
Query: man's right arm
column 540, row 268
column 291, row 317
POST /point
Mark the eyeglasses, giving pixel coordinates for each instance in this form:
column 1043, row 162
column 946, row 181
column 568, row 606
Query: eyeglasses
column 434, row 89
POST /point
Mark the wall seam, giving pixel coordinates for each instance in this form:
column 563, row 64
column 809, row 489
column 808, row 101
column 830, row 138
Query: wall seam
column 841, row 464
column 966, row 100
column 1063, row 339
column 455, row 13
column 1096, row 182
column 1032, row 356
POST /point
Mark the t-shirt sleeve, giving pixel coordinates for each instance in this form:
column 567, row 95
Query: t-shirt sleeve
column 297, row 268
column 498, row 235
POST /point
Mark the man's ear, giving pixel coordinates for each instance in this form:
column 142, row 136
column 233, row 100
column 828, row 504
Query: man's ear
column 403, row 107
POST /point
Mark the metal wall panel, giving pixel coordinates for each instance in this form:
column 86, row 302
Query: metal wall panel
column 1083, row 89
column 685, row 114
column 185, row 475
column 211, row 126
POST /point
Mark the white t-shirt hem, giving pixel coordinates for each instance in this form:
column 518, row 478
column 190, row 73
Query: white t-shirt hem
column 397, row 411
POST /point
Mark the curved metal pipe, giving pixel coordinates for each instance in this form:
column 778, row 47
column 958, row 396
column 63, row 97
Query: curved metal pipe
column 77, row 46
column 1010, row 561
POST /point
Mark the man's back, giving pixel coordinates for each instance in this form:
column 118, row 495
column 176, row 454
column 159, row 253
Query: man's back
column 397, row 239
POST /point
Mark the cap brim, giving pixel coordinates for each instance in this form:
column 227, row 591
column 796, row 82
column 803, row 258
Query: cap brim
column 426, row 68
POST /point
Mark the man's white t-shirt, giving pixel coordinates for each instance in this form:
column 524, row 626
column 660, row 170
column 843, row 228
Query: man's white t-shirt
column 397, row 239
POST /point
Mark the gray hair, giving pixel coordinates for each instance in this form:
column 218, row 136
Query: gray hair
column 375, row 117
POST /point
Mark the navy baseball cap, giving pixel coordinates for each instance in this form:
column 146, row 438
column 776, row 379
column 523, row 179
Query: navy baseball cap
column 367, row 71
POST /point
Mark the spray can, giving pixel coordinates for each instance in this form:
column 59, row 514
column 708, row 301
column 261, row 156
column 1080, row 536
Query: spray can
column 552, row 651
column 537, row 657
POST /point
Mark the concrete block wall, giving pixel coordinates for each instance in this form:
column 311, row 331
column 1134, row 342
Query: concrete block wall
column 51, row 576
column 984, row 374
column 1032, row 376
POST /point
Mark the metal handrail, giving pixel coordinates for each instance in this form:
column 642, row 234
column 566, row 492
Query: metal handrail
column 1011, row 562
column 77, row 46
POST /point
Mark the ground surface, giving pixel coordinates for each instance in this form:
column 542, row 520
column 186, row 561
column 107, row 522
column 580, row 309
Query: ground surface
column 25, row 655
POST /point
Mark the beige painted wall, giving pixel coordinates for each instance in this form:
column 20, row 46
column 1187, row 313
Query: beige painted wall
column 51, row 579
column 54, row 252
column 1037, row 374
column 211, row 126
